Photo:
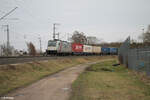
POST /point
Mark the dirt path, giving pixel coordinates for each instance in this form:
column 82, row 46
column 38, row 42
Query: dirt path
column 54, row 87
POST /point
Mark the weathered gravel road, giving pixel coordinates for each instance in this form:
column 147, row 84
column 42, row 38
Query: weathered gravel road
column 54, row 87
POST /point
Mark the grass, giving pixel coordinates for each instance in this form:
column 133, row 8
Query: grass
column 15, row 76
column 102, row 81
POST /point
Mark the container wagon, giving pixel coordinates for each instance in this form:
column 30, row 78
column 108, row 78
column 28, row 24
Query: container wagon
column 77, row 49
column 96, row 50
column 114, row 51
column 87, row 49
column 105, row 50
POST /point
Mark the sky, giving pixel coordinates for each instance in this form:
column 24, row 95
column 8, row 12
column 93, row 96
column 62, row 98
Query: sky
column 110, row 20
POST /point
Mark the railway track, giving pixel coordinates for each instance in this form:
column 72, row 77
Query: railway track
column 2, row 57
column 23, row 59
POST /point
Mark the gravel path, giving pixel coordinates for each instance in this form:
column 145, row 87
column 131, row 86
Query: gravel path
column 54, row 87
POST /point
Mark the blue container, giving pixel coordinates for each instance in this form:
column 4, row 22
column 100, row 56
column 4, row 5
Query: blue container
column 113, row 50
column 105, row 50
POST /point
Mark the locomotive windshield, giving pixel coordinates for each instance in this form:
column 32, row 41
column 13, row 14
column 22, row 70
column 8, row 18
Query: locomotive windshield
column 51, row 43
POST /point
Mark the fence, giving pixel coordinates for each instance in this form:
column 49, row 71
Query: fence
column 136, row 59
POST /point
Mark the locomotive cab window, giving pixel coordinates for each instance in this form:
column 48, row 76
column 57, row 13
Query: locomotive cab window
column 52, row 43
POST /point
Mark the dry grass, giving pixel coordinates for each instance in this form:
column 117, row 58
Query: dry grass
column 113, row 83
column 14, row 76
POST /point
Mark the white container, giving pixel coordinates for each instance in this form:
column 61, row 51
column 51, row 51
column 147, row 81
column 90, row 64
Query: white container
column 96, row 49
column 87, row 49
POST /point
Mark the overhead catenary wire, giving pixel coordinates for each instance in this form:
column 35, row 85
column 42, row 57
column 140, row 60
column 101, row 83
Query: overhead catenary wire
column 8, row 13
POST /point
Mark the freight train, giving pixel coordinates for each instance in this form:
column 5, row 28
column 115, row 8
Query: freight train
column 58, row 47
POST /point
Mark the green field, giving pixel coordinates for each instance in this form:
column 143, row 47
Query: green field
column 102, row 81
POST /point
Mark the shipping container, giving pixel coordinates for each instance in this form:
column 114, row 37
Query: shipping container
column 87, row 49
column 113, row 50
column 77, row 48
column 105, row 50
column 96, row 49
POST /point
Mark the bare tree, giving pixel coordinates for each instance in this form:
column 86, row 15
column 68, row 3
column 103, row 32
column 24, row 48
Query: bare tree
column 79, row 37
column 31, row 49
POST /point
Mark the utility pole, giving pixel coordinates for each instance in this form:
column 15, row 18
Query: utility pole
column 54, row 30
column 8, row 42
column 40, row 45
column 7, row 30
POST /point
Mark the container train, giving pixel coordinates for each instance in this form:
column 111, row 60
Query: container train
column 58, row 47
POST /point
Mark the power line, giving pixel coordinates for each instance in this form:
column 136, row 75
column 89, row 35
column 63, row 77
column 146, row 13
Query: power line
column 8, row 13
column 11, row 19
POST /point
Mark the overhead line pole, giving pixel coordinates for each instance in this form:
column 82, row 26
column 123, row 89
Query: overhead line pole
column 8, row 42
column 54, row 30
column 7, row 30
column 40, row 45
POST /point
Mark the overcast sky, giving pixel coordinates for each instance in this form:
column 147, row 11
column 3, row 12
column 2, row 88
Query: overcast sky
column 111, row 20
